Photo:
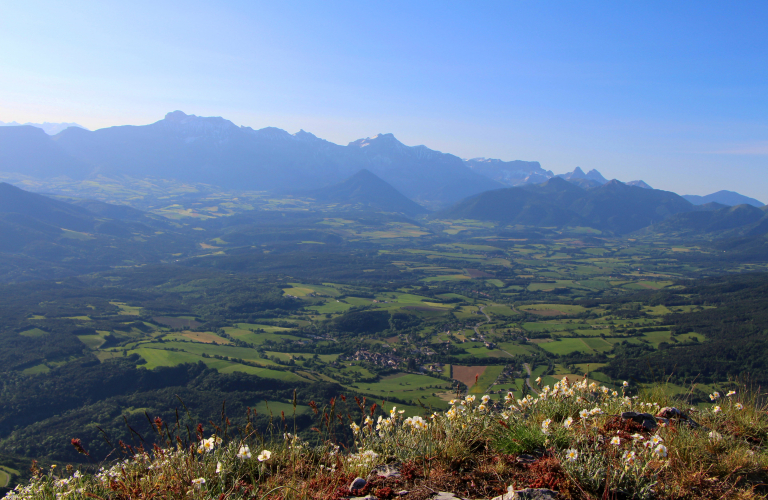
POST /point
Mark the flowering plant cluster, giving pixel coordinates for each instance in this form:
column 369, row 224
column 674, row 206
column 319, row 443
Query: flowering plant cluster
column 578, row 425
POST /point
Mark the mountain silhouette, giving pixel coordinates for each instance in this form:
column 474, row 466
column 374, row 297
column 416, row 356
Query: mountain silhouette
column 729, row 198
column 215, row 151
column 365, row 188
column 614, row 206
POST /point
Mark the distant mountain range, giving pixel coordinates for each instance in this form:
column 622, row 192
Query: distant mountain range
column 214, row 151
column 48, row 128
column 511, row 173
column 613, row 206
column 728, row 198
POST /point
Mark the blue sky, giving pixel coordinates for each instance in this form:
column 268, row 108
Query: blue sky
column 674, row 93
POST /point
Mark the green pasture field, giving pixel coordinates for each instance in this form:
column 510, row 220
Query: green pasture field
column 656, row 338
column 567, row 346
column 483, row 352
column 263, row 372
column 552, row 326
column 446, row 277
column 647, row 285
column 93, row 341
column 257, row 326
column 656, row 310
column 514, row 348
column 199, row 349
column 405, row 386
column 302, row 290
column 583, row 368
column 467, row 246
column 6, row 475
column 561, row 308
column 331, row 306
column 36, row 369
column 127, row 310
column 34, row 332
column 502, row 310
column 598, row 344
column 485, row 380
column 157, row 357
column 275, row 407
column 257, row 338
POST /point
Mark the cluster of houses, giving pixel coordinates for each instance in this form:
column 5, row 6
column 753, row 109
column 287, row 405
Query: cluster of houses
column 376, row 358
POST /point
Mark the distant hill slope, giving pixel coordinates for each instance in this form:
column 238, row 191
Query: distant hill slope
column 47, row 127
column 32, row 217
column 513, row 206
column 613, row 206
column 365, row 188
column 729, row 198
column 30, row 151
column 55, row 213
column 738, row 221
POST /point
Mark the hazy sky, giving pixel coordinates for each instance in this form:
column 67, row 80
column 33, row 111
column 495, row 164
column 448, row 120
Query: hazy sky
column 674, row 93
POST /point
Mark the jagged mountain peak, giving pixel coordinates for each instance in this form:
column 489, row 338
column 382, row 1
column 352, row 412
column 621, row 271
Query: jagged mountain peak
column 594, row 175
column 578, row 173
column 306, row 136
column 177, row 116
column 197, row 125
column 615, row 184
column 639, row 183
column 378, row 140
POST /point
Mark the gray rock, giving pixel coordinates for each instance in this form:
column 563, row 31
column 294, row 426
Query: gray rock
column 534, row 494
column 358, row 484
column 529, row 494
column 402, row 493
column 645, row 419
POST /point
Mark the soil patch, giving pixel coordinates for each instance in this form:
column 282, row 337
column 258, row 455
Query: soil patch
column 467, row 374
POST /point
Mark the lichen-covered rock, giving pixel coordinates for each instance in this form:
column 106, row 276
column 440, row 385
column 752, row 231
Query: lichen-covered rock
column 385, row 471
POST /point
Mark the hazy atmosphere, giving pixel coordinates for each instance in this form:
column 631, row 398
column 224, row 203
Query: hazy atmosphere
column 503, row 250
column 673, row 94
